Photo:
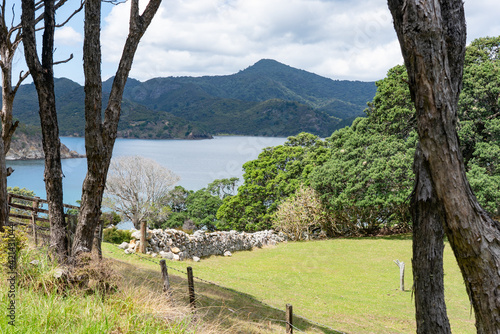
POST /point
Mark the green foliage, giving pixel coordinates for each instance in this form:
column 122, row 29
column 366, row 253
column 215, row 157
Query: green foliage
column 110, row 218
column 202, row 208
column 392, row 111
column 175, row 220
column 116, row 236
column 223, row 187
column 366, row 182
column 12, row 241
column 275, row 175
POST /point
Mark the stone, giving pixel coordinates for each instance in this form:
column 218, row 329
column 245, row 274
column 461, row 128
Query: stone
column 175, row 250
column 123, row 245
column 176, row 257
column 136, row 235
column 58, row 273
column 228, row 253
column 167, row 255
column 196, row 259
column 128, row 251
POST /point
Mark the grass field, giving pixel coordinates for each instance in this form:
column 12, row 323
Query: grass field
column 351, row 285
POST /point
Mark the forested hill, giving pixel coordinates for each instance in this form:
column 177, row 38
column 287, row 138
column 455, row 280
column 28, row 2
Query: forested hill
column 268, row 98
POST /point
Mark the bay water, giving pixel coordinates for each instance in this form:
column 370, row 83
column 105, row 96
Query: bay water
column 197, row 162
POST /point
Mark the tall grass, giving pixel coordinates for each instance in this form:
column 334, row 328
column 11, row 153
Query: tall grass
column 45, row 304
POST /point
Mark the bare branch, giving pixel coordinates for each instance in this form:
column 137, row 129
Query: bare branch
column 114, row 2
column 63, row 61
column 21, row 79
column 82, row 3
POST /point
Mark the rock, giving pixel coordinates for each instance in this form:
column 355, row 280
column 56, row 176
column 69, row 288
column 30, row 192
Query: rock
column 58, row 273
column 176, row 257
column 228, row 253
column 196, row 259
column 136, row 235
column 128, row 251
column 132, row 243
column 167, row 255
column 175, row 250
column 154, row 255
column 123, row 245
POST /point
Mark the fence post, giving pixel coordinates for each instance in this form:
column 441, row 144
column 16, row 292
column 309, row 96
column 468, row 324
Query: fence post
column 142, row 246
column 191, row 287
column 401, row 266
column 96, row 247
column 164, row 274
column 34, row 214
column 289, row 319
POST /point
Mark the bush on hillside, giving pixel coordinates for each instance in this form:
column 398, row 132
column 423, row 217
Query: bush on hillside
column 116, row 236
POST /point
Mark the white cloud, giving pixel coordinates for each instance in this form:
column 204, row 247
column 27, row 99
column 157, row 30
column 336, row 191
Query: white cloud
column 67, row 36
column 335, row 38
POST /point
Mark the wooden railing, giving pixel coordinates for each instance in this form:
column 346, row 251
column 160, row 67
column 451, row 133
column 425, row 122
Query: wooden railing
column 35, row 210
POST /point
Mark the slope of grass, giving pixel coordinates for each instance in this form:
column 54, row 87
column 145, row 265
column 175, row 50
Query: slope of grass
column 351, row 285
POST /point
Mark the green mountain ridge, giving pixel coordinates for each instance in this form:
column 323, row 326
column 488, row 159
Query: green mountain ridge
column 267, row 98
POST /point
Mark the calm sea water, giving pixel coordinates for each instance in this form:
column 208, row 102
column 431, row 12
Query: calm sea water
column 197, row 162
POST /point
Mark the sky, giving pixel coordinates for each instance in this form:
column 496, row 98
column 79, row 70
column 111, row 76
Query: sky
column 337, row 39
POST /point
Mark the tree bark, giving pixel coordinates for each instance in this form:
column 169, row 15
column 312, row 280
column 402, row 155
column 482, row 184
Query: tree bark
column 9, row 41
column 43, row 78
column 432, row 35
column 100, row 135
column 427, row 262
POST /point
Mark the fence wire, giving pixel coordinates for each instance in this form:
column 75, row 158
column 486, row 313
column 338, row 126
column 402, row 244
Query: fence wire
column 241, row 294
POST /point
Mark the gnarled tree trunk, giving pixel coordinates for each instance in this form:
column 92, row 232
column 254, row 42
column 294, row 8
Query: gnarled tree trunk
column 100, row 135
column 432, row 35
column 427, row 262
column 43, row 78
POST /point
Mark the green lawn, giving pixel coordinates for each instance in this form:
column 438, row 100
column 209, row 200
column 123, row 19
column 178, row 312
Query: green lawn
column 351, row 285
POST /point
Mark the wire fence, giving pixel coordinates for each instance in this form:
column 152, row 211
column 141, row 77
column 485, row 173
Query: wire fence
column 290, row 323
column 21, row 212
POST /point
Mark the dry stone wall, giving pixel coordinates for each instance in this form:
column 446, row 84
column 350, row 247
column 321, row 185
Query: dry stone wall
column 178, row 245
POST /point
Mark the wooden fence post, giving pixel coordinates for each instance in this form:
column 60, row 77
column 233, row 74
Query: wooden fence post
column 142, row 246
column 401, row 266
column 34, row 214
column 289, row 319
column 96, row 247
column 164, row 274
column 192, row 301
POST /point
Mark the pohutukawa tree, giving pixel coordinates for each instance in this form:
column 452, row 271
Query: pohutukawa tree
column 432, row 35
column 100, row 134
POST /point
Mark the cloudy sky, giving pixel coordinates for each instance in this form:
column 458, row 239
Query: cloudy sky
column 338, row 39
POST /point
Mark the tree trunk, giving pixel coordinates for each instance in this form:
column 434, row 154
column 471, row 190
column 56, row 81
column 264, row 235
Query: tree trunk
column 7, row 50
column 100, row 136
column 432, row 37
column 43, row 78
column 4, row 206
column 428, row 246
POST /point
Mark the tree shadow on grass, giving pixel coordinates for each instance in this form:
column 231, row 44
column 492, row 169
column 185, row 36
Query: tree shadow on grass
column 228, row 309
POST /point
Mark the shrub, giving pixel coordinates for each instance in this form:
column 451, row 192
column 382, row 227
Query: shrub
column 300, row 213
column 116, row 236
column 19, row 240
